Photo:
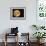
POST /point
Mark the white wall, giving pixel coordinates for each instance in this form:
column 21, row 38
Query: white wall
column 24, row 25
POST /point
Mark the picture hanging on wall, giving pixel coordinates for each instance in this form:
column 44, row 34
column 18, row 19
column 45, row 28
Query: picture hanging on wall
column 41, row 8
column 17, row 13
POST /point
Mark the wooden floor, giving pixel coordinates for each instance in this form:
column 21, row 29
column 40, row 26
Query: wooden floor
column 13, row 44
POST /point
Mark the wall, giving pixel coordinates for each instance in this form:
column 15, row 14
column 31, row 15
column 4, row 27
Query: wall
column 24, row 25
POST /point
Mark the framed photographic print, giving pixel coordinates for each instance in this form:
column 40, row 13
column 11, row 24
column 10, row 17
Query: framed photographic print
column 17, row 13
column 41, row 12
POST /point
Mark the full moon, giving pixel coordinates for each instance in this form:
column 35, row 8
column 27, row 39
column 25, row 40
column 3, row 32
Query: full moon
column 17, row 13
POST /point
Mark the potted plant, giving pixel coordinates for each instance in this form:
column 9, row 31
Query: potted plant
column 39, row 35
column 42, row 27
column 35, row 26
column 38, row 27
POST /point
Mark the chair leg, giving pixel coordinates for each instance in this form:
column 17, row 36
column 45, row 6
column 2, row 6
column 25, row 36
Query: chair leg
column 17, row 39
column 5, row 43
column 5, row 40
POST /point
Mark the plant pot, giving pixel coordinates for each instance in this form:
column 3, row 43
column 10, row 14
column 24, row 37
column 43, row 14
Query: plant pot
column 40, row 41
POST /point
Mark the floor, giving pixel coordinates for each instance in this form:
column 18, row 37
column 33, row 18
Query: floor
column 13, row 44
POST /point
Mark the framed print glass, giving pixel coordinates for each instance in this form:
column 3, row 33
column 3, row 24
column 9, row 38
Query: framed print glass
column 41, row 12
column 41, row 8
column 17, row 13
